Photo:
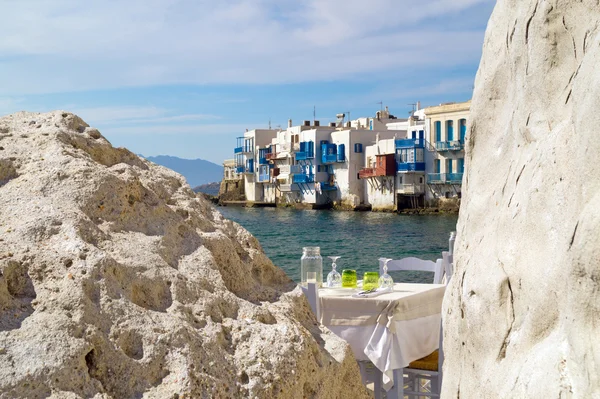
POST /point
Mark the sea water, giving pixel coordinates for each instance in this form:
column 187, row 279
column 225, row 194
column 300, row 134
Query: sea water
column 360, row 238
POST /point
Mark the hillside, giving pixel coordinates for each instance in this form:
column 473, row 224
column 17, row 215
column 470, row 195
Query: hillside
column 195, row 171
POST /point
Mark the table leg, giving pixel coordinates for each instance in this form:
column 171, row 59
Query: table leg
column 397, row 391
column 378, row 383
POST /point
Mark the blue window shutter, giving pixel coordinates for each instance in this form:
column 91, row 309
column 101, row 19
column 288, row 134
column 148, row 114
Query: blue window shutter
column 438, row 131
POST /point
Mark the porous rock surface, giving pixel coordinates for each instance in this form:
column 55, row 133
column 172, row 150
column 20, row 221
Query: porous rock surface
column 522, row 311
column 116, row 281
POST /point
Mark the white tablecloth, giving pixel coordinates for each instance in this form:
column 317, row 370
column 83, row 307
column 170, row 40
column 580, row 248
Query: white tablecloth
column 390, row 330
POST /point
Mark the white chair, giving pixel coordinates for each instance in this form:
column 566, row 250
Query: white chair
column 428, row 368
column 411, row 263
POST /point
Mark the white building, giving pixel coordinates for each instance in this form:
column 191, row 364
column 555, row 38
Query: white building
column 447, row 129
column 251, row 163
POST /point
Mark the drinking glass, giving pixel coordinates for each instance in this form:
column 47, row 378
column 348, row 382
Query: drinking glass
column 386, row 281
column 370, row 281
column 349, row 278
column 334, row 279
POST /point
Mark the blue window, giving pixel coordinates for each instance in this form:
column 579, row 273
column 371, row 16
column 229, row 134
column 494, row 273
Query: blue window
column 460, row 168
column 463, row 129
column 449, row 166
column 450, row 130
column 438, row 131
column 358, row 147
column 421, row 133
column 436, row 166
column 341, row 153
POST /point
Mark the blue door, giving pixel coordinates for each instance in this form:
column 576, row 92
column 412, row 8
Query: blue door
column 449, row 166
column 450, row 130
column 460, row 165
column 463, row 130
column 438, row 131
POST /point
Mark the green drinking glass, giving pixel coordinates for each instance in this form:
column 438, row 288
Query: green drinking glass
column 349, row 278
column 370, row 281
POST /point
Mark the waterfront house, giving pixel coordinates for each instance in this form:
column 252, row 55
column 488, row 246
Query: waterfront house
column 251, row 163
column 379, row 175
column 447, row 128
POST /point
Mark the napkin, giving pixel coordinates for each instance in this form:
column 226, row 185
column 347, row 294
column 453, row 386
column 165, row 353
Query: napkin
column 377, row 292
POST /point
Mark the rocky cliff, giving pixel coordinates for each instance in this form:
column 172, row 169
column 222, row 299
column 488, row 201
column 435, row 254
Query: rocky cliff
column 521, row 314
column 116, row 281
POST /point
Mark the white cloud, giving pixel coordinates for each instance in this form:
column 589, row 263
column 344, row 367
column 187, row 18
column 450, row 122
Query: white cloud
column 68, row 45
column 156, row 130
column 135, row 114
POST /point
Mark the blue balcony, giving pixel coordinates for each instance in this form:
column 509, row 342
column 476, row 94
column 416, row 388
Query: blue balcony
column 240, row 169
column 454, row 178
column 455, row 145
column 444, row 178
column 302, row 156
column 264, row 178
column 307, row 151
column 410, row 143
column 411, row 167
column 303, row 178
column 328, row 187
column 238, row 150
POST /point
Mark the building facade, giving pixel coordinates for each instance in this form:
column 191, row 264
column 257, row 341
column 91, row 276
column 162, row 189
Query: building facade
column 447, row 125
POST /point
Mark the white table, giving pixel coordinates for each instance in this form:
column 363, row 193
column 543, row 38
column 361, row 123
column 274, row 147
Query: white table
column 390, row 330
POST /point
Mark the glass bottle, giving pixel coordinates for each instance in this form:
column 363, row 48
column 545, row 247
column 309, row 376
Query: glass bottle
column 311, row 266
column 451, row 242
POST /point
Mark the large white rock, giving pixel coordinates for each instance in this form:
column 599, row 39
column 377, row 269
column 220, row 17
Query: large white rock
column 522, row 314
column 116, row 281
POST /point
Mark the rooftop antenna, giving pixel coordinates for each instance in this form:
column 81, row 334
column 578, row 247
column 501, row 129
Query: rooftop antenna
column 348, row 113
column 414, row 108
column 380, row 106
column 269, row 123
column 314, row 113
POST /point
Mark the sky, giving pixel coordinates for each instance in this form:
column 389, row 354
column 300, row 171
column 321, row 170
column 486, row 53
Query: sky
column 186, row 77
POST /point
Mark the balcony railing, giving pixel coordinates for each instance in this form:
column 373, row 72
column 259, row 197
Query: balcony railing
column 303, row 178
column 303, row 155
column 329, row 158
column 409, row 143
column 328, row 187
column 455, row 178
column 411, row 167
column 372, row 172
column 455, row 145
column 239, row 169
column 366, row 172
column 444, row 178
column 238, row 150
column 291, row 169
column 410, row 189
column 264, row 178
column 288, row 187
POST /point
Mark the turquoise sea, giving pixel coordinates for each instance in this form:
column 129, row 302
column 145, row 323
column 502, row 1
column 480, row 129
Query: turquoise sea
column 360, row 238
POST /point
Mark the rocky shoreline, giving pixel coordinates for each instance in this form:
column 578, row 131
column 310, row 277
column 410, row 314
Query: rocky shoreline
column 118, row 281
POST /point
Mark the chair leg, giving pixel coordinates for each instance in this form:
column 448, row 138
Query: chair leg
column 377, row 386
column 397, row 391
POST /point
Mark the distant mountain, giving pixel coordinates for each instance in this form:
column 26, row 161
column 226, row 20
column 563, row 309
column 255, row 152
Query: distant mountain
column 195, row 171
column 210, row 188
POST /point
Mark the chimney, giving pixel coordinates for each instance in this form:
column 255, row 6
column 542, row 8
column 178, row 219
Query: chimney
column 331, row 124
column 317, row 123
column 348, row 124
column 306, row 123
column 386, row 109
column 289, row 123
